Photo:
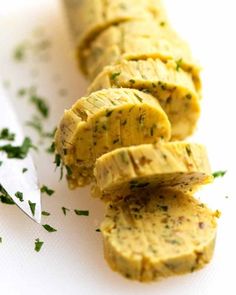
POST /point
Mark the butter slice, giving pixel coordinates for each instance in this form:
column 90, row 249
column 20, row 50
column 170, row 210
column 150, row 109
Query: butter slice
column 104, row 121
column 177, row 165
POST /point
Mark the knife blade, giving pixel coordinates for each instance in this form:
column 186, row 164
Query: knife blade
column 12, row 177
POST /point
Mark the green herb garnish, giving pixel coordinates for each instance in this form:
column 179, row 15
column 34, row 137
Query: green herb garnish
column 179, row 64
column 1, row 162
column 19, row 196
column 40, row 104
column 48, row 191
column 81, row 212
column 49, row 228
column 64, row 210
column 38, row 245
column 219, row 174
column 32, row 207
column 5, row 134
column 4, row 197
column 24, row 170
column 22, row 92
column 115, row 75
column 18, row 152
column 19, row 52
column 45, row 213
column 51, row 149
column 98, row 230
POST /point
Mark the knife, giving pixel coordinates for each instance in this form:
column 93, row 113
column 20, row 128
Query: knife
column 18, row 175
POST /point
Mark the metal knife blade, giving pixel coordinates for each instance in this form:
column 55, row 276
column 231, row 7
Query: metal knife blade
column 12, row 178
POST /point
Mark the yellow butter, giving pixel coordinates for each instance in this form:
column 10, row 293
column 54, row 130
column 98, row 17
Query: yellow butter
column 173, row 88
column 152, row 236
column 106, row 120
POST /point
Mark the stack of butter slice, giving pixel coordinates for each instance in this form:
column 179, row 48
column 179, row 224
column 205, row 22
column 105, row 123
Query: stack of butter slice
column 125, row 138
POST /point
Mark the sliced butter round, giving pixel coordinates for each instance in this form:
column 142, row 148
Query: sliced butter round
column 178, row 165
column 158, row 235
column 138, row 40
column 173, row 88
column 106, row 120
column 89, row 17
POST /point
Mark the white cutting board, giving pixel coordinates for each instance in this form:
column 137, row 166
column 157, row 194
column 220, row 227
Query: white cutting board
column 71, row 260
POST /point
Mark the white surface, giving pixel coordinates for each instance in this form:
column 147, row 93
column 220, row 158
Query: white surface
column 11, row 176
column 71, row 260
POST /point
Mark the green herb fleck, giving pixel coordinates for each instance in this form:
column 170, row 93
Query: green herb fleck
column 179, row 64
column 5, row 134
column 48, row 191
column 189, row 96
column 135, row 184
column 22, row 92
column 1, row 162
column 40, row 104
column 51, row 149
column 115, row 75
column 188, row 150
column 32, row 207
column 45, row 213
column 138, row 97
column 132, row 81
column 38, row 245
column 219, row 174
column 108, row 113
column 18, row 152
column 49, row 228
column 19, row 52
column 65, row 210
column 19, row 196
column 68, row 171
column 81, row 212
column 98, row 230
column 4, row 197
column 24, row 170
column 162, row 24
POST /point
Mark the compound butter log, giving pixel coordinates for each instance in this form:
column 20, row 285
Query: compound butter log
column 88, row 18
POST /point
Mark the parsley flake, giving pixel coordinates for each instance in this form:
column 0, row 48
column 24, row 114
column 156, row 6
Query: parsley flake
column 18, row 152
column 49, row 228
column 115, row 75
column 48, row 191
column 5, row 134
column 219, row 174
column 81, row 212
column 45, row 213
column 179, row 64
column 32, row 207
column 38, row 245
column 64, row 210
column 19, row 196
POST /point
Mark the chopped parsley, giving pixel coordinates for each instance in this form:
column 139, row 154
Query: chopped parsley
column 45, row 213
column 138, row 97
column 1, row 162
column 115, row 75
column 40, row 104
column 49, row 228
column 4, row 197
column 51, row 149
column 18, row 152
column 162, row 24
column 65, row 210
column 32, row 207
column 19, row 196
column 38, row 245
column 5, row 134
column 48, row 191
column 179, row 64
column 19, row 52
column 22, row 92
column 81, row 212
column 24, row 170
column 219, row 174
